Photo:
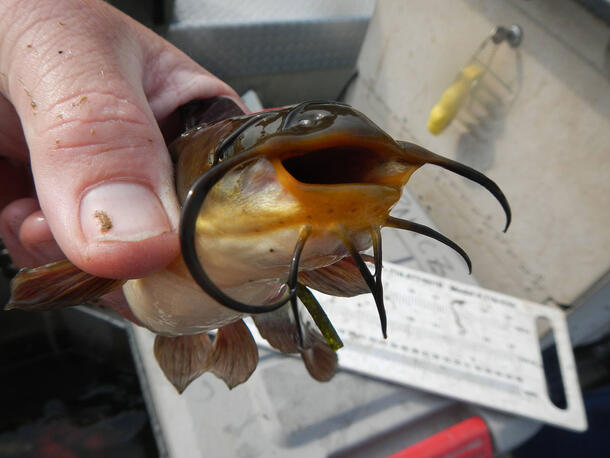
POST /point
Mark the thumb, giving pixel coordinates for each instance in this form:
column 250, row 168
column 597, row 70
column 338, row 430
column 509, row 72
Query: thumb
column 102, row 172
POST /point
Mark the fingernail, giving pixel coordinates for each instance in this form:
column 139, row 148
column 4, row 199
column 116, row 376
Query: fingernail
column 122, row 212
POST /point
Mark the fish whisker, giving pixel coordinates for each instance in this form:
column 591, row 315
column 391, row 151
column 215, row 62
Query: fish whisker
column 398, row 223
column 428, row 157
column 373, row 282
column 293, row 277
column 378, row 257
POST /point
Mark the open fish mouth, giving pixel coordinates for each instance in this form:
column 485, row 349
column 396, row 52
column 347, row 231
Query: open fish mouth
column 345, row 172
column 334, row 165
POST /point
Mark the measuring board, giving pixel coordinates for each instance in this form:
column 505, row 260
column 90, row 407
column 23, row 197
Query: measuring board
column 459, row 341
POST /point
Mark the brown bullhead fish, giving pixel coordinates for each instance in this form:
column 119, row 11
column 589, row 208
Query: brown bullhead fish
column 273, row 203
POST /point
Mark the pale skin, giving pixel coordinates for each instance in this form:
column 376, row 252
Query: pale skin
column 85, row 94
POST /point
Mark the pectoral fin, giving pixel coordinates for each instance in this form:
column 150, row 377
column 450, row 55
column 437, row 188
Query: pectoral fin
column 279, row 329
column 235, row 354
column 184, row 358
column 339, row 279
column 320, row 360
column 56, row 285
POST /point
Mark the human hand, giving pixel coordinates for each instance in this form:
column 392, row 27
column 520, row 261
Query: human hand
column 84, row 91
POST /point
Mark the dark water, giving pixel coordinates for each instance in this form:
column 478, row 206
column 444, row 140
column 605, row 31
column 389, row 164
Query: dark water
column 68, row 388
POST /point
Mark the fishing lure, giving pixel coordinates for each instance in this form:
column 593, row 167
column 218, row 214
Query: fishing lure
column 273, row 203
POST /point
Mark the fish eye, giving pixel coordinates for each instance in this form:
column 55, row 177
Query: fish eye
column 304, row 123
column 312, row 119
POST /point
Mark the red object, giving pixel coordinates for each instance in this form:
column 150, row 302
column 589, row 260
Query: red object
column 468, row 439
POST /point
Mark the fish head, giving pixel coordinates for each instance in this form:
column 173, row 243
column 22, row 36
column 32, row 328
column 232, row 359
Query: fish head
column 324, row 167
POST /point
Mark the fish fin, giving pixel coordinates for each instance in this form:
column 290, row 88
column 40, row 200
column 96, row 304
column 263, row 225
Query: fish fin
column 342, row 278
column 235, row 354
column 279, row 328
column 183, row 358
column 56, row 285
column 320, row 360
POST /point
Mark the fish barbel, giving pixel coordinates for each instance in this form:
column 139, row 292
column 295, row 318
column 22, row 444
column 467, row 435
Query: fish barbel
column 273, row 203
